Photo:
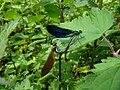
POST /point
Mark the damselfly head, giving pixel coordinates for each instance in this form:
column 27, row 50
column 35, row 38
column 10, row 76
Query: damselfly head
column 80, row 31
column 77, row 32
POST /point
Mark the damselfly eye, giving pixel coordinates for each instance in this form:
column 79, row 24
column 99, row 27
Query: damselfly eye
column 80, row 31
column 77, row 32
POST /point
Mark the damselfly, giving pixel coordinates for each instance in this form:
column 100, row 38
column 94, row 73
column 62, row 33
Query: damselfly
column 58, row 32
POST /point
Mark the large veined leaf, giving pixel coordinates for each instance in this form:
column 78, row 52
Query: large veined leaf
column 4, row 33
column 93, row 26
column 106, row 76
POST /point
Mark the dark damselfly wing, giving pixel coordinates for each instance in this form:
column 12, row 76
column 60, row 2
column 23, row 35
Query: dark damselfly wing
column 58, row 32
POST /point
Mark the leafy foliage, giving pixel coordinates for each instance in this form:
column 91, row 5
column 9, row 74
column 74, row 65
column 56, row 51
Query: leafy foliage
column 4, row 33
column 106, row 76
column 25, row 85
column 24, row 45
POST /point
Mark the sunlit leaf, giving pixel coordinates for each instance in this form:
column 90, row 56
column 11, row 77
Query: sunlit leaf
column 92, row 26
column 4, row 33
column 79, row 3
column 25, row 85
column 20, row 42
column 35, row 18
column 12, row 14
column 105, row 77
column 68, row 1
column 4, row 82
column 38, row 36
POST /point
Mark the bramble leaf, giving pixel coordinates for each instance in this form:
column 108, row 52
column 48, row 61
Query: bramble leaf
column 92, row 26
column 105, row 77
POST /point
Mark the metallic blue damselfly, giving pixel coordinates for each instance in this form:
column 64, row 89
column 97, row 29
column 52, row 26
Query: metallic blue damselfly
column 59, row 32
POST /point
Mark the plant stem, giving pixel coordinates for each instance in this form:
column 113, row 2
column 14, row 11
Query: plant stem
column 95, row 42
column 2, row 6
column 60, row 54
column 100, row 4
column 93, row 53
column 10, row 56
column 60, row 71
column 61, row 12
column 116, row 54
column 112, row 49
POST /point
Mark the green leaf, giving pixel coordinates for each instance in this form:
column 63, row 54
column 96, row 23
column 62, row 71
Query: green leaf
column 36, row 18
column 11, row 14
column 20, row 42
column 68, row 1
column 54, row 85
column 106, row 1
column 38, row 36
column 25, row 85
column 52, row 10
column 107, row 63
column 79, row 3
column 9, row 70
column 91, row 3
column 20, row 36
column 8, row 0
column 102, row 19
column 4, row 82
column 92, row 26
column 4, row 33
column 105, row 77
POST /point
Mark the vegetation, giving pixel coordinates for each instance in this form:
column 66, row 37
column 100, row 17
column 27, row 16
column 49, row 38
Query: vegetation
column 92, row 61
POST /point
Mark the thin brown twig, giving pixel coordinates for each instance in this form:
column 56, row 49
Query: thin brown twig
column 116, row 54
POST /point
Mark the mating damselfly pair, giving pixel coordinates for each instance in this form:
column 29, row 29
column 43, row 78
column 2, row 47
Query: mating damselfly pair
column 65, row 35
